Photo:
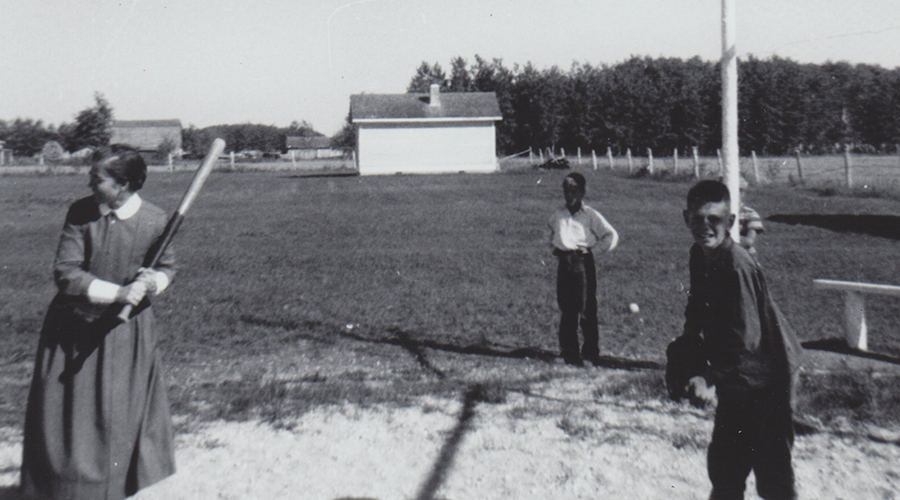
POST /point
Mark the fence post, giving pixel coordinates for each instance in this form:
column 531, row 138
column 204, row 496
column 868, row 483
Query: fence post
column 799, row 165
column 630, row 160
column 755, row 168
column 232, row 160
column 719, row 159
column 562, row 152
column 696, row 163
column 171, row 166
column 530, row 155
column 650, row 161
column 855, row 320
column 848, row 166
column 675, row 158
column 609, row 157
column 594, row 158
column 579, row 155
column 541, row 155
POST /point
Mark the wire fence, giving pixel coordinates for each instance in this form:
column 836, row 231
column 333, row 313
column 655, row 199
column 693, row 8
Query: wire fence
column 837, row 171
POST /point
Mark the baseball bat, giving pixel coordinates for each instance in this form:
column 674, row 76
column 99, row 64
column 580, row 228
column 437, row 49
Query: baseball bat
column 174, row 223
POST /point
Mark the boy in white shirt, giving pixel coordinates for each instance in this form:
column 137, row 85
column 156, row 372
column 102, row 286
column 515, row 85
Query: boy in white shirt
column 575, row 230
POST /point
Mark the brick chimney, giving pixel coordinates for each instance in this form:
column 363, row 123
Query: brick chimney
column 435, row 100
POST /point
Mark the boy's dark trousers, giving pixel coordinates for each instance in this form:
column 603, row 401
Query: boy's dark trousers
column 753, row 431
column 576, row 293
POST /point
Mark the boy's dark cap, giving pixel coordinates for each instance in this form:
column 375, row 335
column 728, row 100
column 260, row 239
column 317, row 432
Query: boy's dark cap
column 578, row 178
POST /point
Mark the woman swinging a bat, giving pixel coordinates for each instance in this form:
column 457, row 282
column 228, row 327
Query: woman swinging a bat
column 97, row 424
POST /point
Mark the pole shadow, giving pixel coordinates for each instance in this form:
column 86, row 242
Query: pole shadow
column 840, row 346
column 400, row 337
column 415, row 346
column 315, row 174
column 883, row 226
column 444, row 462
column 404, row 338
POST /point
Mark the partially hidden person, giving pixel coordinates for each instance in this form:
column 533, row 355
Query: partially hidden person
column 751, row 226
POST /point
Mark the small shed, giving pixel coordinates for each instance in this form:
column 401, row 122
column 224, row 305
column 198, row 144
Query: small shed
column 147, row 136
column 426, row 133
column 310, row 148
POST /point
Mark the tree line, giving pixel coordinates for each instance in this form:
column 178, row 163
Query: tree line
column 668, row 103
column 244, row 137
column 26, row 137
column 92, row 128
column 661, row 103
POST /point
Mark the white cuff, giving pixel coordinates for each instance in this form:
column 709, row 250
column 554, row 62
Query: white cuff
column 162, row 281
column 102, row 292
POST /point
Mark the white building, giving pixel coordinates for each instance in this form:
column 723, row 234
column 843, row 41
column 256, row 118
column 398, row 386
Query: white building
column 310, row 148
column 425, row 133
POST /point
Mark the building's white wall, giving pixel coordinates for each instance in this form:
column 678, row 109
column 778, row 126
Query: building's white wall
column 426, row 148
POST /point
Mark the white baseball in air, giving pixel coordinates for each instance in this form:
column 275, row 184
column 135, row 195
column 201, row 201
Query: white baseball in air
column 633, row 307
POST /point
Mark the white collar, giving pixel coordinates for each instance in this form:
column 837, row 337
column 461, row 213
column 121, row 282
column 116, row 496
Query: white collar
column 127, row 210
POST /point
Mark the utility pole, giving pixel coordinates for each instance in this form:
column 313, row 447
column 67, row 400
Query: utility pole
column 730, row 156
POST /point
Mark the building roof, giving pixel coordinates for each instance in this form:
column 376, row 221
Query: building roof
column 146, row 123
column 454, row 106
column 146, row 135
column 301, row 142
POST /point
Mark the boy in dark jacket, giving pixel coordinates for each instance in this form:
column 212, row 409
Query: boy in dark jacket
column 749, row 355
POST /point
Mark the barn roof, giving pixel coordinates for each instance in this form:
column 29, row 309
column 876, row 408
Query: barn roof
column 146, row 123
column 301, row 142
column 146, row 135
column 454, row 106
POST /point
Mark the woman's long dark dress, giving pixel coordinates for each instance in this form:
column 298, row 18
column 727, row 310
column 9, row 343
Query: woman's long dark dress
column 97, row 424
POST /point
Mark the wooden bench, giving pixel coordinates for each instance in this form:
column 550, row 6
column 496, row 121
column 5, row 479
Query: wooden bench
column 855, row 328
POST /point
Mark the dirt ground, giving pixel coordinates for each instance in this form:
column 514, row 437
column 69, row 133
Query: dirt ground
column 556, row 441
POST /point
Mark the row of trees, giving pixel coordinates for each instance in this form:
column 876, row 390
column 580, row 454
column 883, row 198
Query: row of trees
column 243, row 137
column 92, row 128
column 26, row 137
column 668, row 103
column 662, row 103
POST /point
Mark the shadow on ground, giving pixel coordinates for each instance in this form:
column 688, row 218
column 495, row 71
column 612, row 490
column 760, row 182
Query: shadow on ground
column 319, row 173
column 411, row 342
column 415, row 346
column 840, row 346
column 883, row 226
column 444, row 462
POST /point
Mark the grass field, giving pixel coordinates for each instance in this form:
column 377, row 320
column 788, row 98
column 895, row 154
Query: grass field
column 296, row 291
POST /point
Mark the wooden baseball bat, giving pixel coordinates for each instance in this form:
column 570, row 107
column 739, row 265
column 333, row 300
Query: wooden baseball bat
column 174, row 223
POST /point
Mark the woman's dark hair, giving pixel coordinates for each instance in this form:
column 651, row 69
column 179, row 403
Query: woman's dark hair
column 124, row 164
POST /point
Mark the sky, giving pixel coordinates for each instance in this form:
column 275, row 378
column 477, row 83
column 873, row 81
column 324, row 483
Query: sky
column 273, row 62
